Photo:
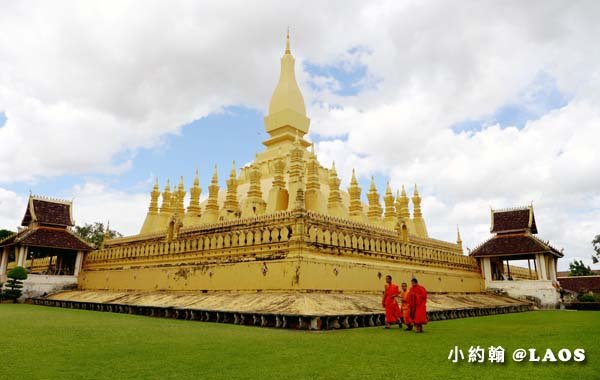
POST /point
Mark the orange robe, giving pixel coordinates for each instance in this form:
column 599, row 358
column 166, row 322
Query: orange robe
column 417, row 298
column 405, row 307
column 392, row 310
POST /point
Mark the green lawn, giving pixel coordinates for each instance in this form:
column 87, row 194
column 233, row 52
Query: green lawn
column 51, row 343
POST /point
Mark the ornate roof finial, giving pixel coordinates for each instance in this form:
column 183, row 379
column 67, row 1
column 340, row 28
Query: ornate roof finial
column 458, row 238
column 416, row 192
column 287, row 42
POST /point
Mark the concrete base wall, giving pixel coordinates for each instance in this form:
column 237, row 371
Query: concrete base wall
column 306, row 272
column 542, row 291
column 38, row 284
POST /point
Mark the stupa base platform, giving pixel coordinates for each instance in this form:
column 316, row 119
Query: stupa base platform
column 304, row 311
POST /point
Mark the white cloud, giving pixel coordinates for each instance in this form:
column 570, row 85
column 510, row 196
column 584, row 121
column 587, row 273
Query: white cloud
column 83, row 85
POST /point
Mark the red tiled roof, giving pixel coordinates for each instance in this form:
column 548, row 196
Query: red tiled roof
column 48, row 212
column 48, row 237
column 513, row 245
column 513, row 220
column 580, row 284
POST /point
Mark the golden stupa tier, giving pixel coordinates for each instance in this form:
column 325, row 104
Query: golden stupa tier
column 282, row 223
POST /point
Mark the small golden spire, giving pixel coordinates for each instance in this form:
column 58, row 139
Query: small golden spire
column 197, row 179
column 287, row 42
column 458, row 238
column 215, row 176
column 233, row 173
column 373, row 187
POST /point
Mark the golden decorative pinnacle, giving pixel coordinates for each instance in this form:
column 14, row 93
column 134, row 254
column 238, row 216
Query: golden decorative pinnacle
column 287, row 42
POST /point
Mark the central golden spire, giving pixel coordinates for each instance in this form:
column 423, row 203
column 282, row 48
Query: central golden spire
column 287, row 112
column 287, row 94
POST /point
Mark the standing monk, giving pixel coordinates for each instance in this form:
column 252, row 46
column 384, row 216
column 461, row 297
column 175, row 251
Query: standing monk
column 392, row 310
column 405, row 307
column 417, row 298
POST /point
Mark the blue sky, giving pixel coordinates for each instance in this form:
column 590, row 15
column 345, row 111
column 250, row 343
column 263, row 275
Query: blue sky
column 534, row 101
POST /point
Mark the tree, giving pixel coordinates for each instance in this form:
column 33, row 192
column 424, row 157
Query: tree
column 15, row 283
column 94, row 233
column 596, row 245
column 5, row 233
column 578, row 268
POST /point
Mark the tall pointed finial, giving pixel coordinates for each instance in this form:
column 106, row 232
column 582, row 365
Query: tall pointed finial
column 373, row 187
column 215, row 176
column 233, row 172
column 197, row 178
column 416, row 192
column 458, row 238
column 353, row 180
column 287, row 42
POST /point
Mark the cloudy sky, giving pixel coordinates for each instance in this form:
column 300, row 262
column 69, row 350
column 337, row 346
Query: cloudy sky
column 483, row 104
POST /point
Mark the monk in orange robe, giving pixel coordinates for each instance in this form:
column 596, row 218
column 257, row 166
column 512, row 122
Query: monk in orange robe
column 389, row 302
column 404, row 308
column 417, row 299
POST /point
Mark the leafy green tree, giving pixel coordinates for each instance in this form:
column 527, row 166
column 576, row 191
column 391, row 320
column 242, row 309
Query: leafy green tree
column 15, row 283
column 596, row 245
column 95, row 233
column 578, row 268
column 5, row 233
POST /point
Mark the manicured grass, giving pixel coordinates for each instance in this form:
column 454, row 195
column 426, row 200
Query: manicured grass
column 52, row 343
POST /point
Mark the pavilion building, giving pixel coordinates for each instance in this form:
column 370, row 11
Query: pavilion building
column 45, row 245
column 514, row 240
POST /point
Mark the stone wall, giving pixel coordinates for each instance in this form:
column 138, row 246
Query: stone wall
column 539, row 291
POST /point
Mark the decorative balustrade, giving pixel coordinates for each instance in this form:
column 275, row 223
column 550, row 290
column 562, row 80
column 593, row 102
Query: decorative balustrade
column 235, row 237
column 38, row 266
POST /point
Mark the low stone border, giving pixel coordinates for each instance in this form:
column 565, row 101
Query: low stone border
column 298, row 322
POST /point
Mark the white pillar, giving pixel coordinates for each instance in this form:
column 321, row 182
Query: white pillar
column 78, row 263
column 487, row 269
column 541, row 267
column 4, row 261
column 21, row 258
column 552, row 269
